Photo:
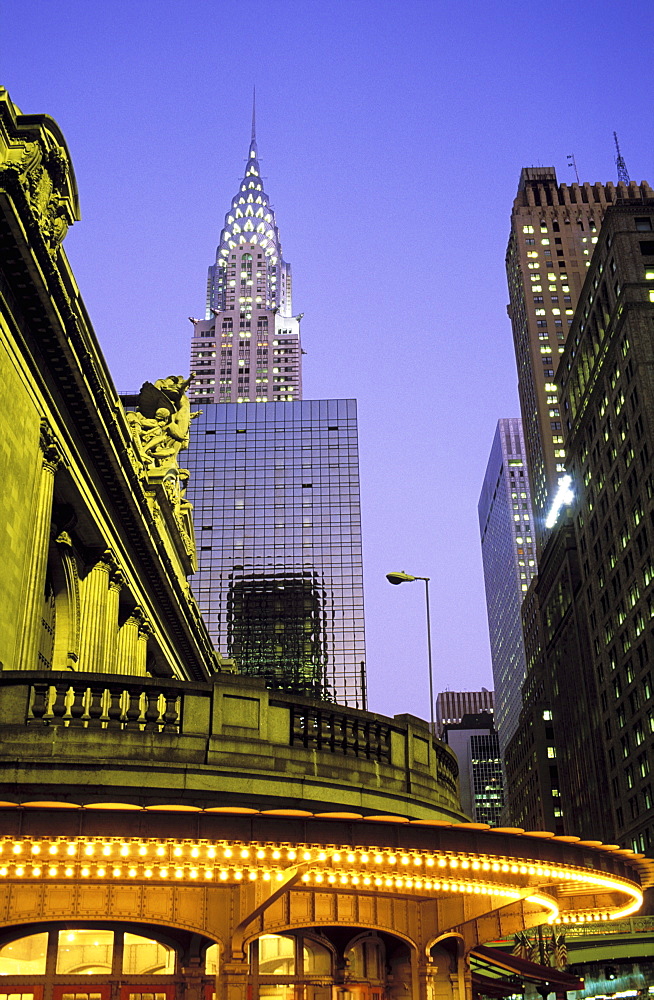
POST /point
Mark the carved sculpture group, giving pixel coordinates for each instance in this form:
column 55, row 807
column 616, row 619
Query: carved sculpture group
column 161, row 423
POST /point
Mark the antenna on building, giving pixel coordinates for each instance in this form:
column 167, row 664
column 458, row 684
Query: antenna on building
column 573, row 163
column 623, row 173
column 254, row 114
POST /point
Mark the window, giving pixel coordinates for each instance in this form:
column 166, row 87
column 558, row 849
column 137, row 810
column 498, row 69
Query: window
column 643, row 224
column 276, row 955
column 317, row 959
column 84, row 951
column 143, row 957
column 366, row 959
column 211, row 959
column 24, row 956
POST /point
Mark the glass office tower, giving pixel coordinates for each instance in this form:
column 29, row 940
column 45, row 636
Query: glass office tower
column 509, row 558
column 275, row 489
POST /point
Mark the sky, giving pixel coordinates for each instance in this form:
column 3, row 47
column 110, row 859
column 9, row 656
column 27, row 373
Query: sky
column 391, row 138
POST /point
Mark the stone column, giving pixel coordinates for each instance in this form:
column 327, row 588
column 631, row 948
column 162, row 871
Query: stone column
column 145, row 631
column 67, row 624
column 39, row 542
column 93, row 626
column 128, row 637
column 116, row 582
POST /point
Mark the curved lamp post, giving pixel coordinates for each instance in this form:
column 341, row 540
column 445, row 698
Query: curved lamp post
column 396, row 579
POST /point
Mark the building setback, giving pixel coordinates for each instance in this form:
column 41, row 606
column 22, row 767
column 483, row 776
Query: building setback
column 554, row 229
column 451, row 706
column 275, row 489
column 509, row 560
column 247, row 348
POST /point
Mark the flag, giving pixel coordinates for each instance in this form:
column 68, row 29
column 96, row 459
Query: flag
column 550, row 950
column 533, row 954
column 520, row 946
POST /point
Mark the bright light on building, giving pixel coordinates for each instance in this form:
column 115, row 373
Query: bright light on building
column 564, row 497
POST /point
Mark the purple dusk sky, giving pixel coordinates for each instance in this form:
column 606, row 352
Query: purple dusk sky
column 391, row 139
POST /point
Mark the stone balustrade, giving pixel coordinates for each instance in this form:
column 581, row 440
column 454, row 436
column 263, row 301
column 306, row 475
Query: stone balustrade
column 229, row 738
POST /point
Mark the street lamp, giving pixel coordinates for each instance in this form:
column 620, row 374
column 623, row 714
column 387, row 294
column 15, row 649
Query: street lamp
column 396, row 579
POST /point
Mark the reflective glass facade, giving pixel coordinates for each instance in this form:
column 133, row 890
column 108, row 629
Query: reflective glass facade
column 275, row 487
column 509, row 558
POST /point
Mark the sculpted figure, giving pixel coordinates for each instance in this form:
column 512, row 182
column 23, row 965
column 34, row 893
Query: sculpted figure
column 161, row 425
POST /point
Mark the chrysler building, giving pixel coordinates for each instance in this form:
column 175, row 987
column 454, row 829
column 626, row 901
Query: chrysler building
column 247, row 349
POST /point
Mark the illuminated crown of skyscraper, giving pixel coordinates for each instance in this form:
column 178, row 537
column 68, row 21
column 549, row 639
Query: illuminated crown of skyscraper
column 251, row 220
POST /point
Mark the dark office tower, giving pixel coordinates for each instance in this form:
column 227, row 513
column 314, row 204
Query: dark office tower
column 247, row 349
column 475, row 743
column 607, row 397
column 554, row 228
column 555, row 762
column 509, row 557
column 275, row 490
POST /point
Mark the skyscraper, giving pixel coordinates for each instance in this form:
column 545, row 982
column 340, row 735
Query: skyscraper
column 275, row 490
column 475, row 743
column 274, row 480
column 247, row 349
column 608, row 404
column 588, row 633
column 509, row 558
column 554, row 229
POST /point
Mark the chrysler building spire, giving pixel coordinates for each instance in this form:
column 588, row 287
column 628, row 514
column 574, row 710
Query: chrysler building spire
column 255, row 353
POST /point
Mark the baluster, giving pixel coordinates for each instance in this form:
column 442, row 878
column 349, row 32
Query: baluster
column 152, row 711
column 171, row 715
column 77, row 707
column 321, row 730
column 115, row 710
column 40, row 698
column 95, row 705
column 367, row 742
column 59, row 706
column 356, row 737
column 341, row 723
column 133, row 714
column 379, row 741
column 333, row 741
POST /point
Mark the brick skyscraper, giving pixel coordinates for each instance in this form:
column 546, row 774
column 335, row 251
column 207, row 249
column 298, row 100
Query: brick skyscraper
column 554, row 229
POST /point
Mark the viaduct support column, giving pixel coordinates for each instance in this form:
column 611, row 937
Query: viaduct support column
column 233, row 982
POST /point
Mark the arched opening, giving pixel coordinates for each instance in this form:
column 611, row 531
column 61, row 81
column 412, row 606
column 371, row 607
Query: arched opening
column 365, row 961
column 291, row 966
column 102, row 961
